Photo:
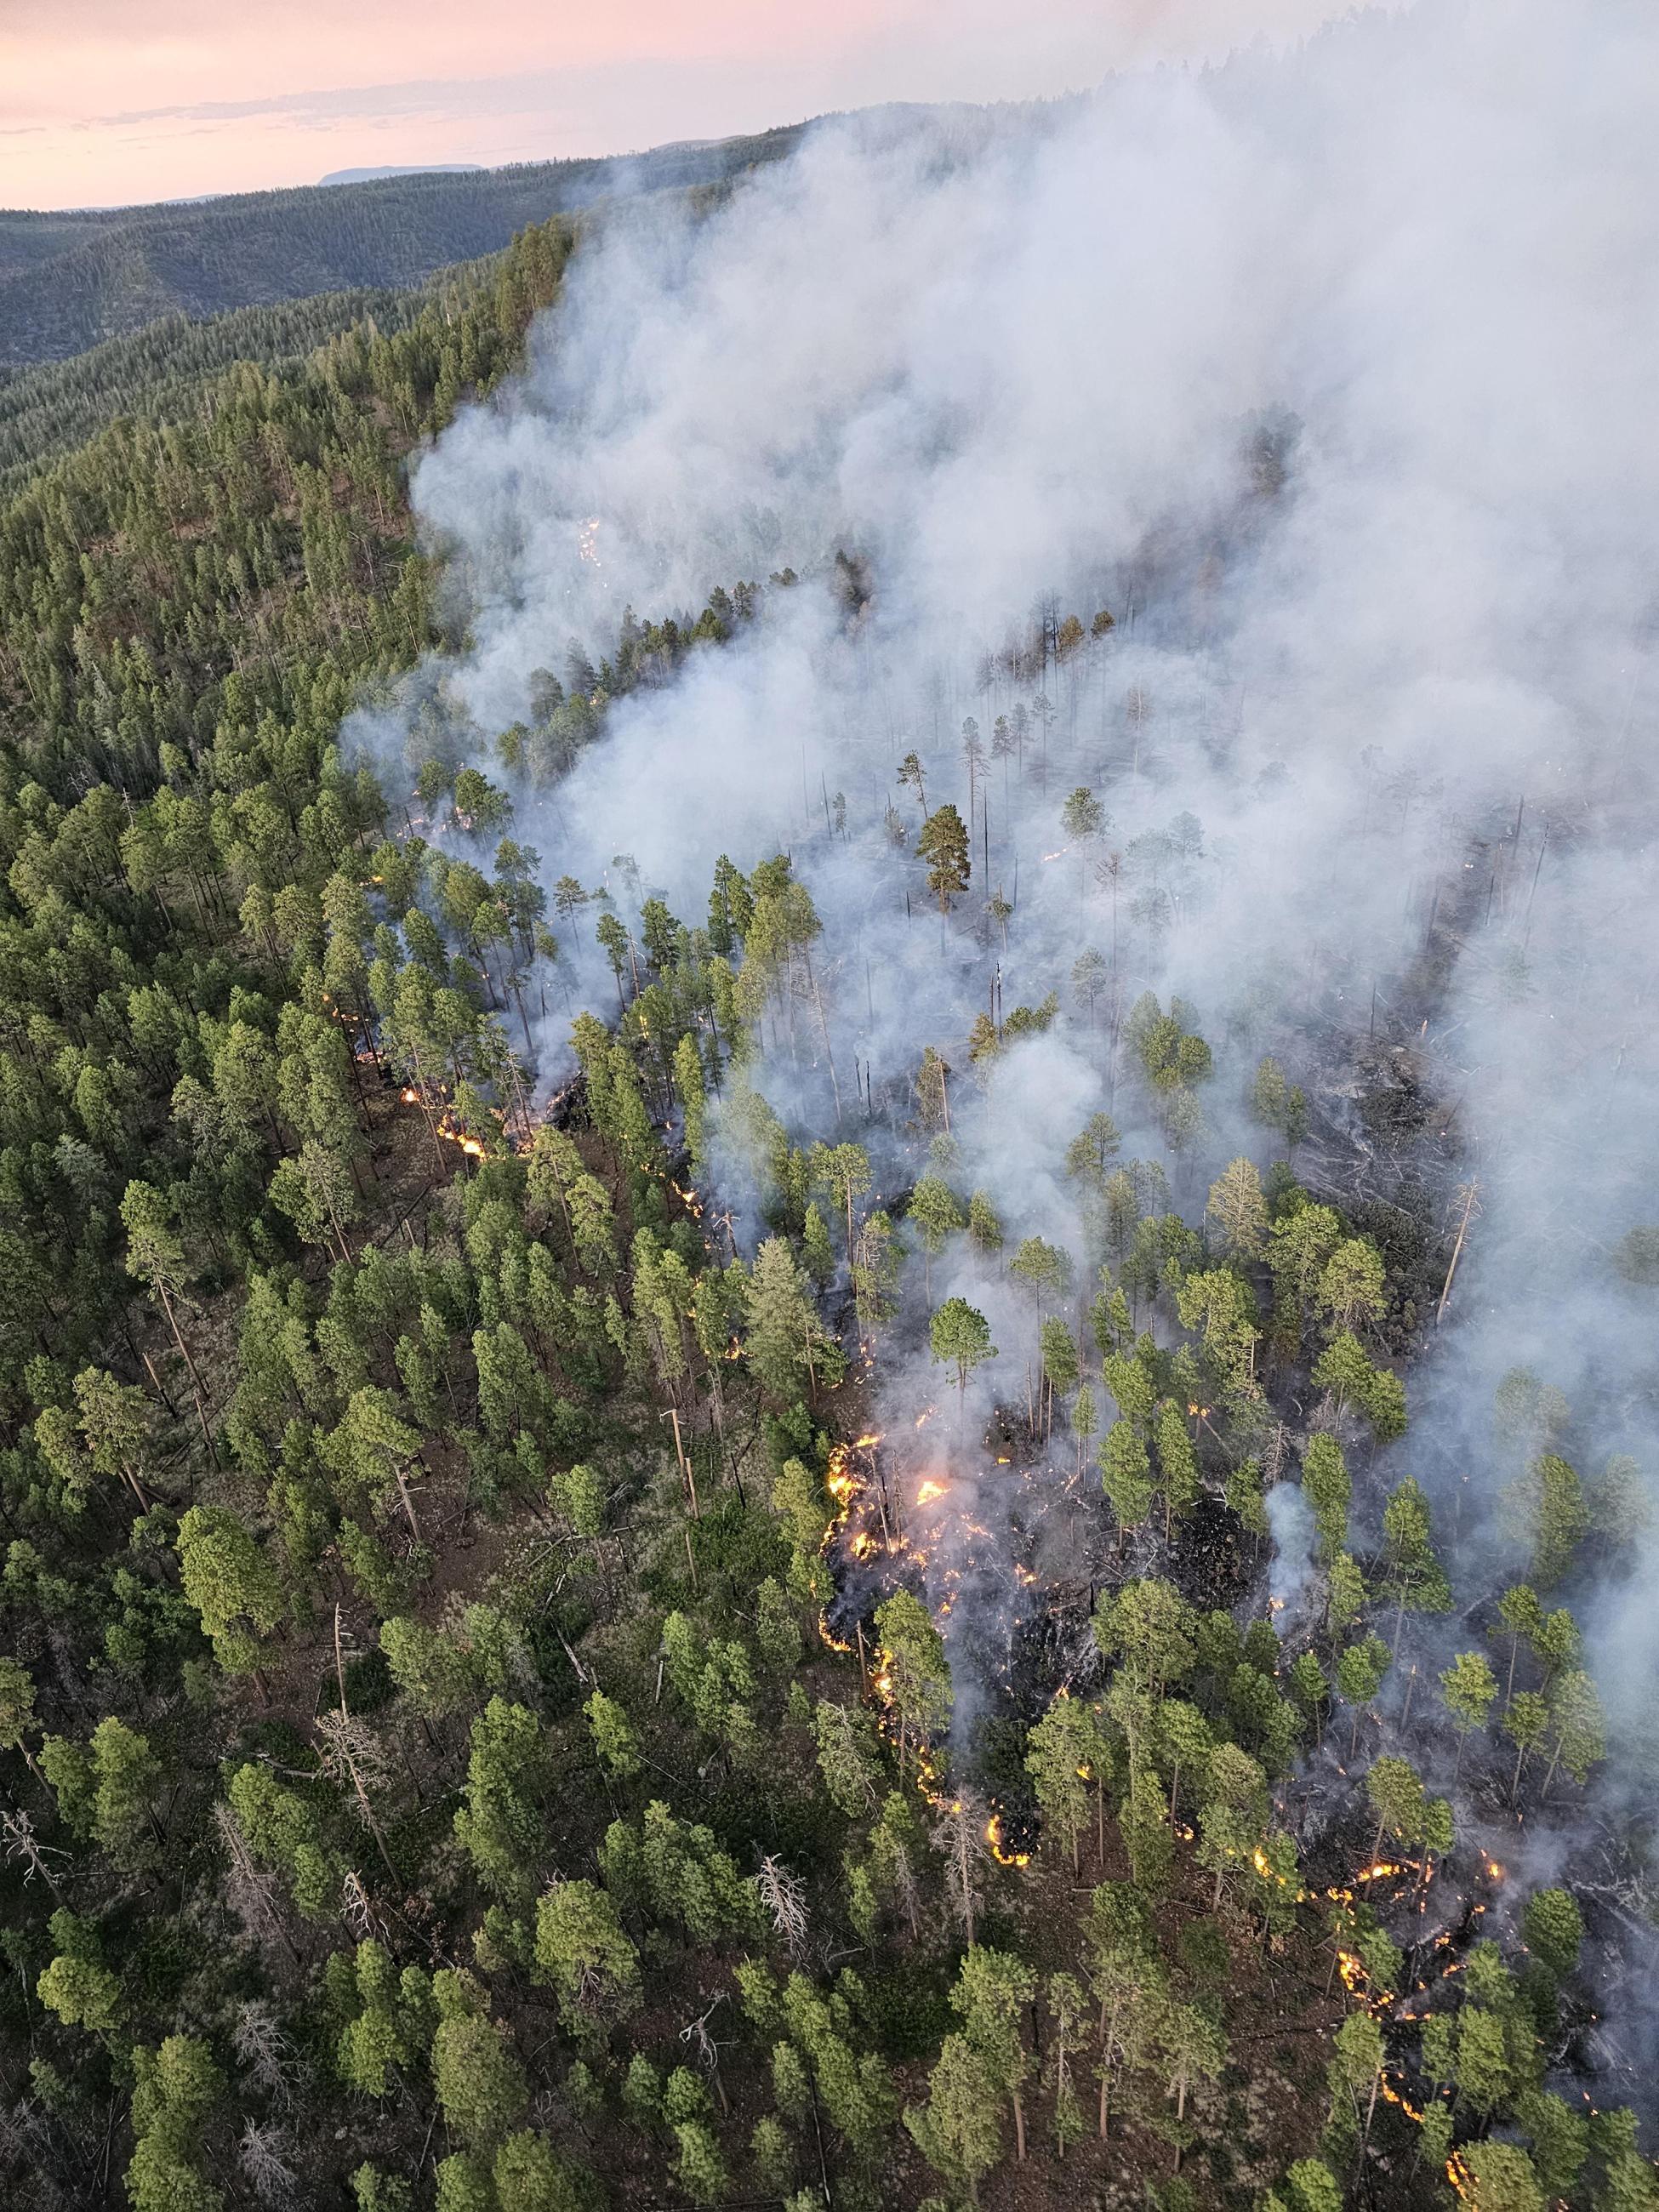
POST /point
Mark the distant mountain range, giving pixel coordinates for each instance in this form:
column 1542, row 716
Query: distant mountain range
column 72, row 280
column 403, row 169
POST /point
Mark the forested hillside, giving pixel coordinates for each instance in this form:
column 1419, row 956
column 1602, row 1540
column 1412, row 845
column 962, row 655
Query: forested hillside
column 475, row 1728
column 158, row 374
column 70, row 280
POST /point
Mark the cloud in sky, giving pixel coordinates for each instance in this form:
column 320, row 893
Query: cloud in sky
column 557, row 93
column 117, row 100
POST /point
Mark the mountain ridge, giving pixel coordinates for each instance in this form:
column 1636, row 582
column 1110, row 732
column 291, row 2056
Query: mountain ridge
column 72, row 279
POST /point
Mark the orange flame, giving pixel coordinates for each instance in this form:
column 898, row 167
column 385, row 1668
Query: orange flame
column 994, row 1838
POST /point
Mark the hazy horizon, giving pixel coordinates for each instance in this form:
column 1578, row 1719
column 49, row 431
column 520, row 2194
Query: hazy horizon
column 107, row 105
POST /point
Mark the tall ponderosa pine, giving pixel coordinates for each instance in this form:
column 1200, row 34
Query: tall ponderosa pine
column 917, row 1676
column 943, row 844
column 961, row 1337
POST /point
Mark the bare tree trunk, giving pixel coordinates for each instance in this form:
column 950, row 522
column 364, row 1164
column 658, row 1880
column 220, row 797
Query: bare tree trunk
column 195, row 1379
column 1457, row 1249
column 407, row 1503
column 823, row 1031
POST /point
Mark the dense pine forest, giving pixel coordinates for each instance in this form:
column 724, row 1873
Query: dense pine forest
column 157, row 374
column 576, row 1635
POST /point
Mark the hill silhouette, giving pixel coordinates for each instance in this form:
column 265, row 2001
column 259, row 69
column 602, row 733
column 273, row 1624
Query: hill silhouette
column 72, row 280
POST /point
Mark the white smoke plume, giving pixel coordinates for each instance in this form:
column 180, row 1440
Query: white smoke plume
column 1291, row 1523
column 1330, row 372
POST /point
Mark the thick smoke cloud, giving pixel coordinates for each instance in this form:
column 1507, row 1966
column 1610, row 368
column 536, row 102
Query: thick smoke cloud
column 1330, row 372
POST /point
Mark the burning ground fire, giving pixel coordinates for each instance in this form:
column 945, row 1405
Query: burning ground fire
column 866, row 1537
column 443, row 1127
column 865, row 1527
column 1388, row 2006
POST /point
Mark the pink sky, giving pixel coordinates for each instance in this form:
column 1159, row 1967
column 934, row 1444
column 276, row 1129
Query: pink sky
column 106, row 101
